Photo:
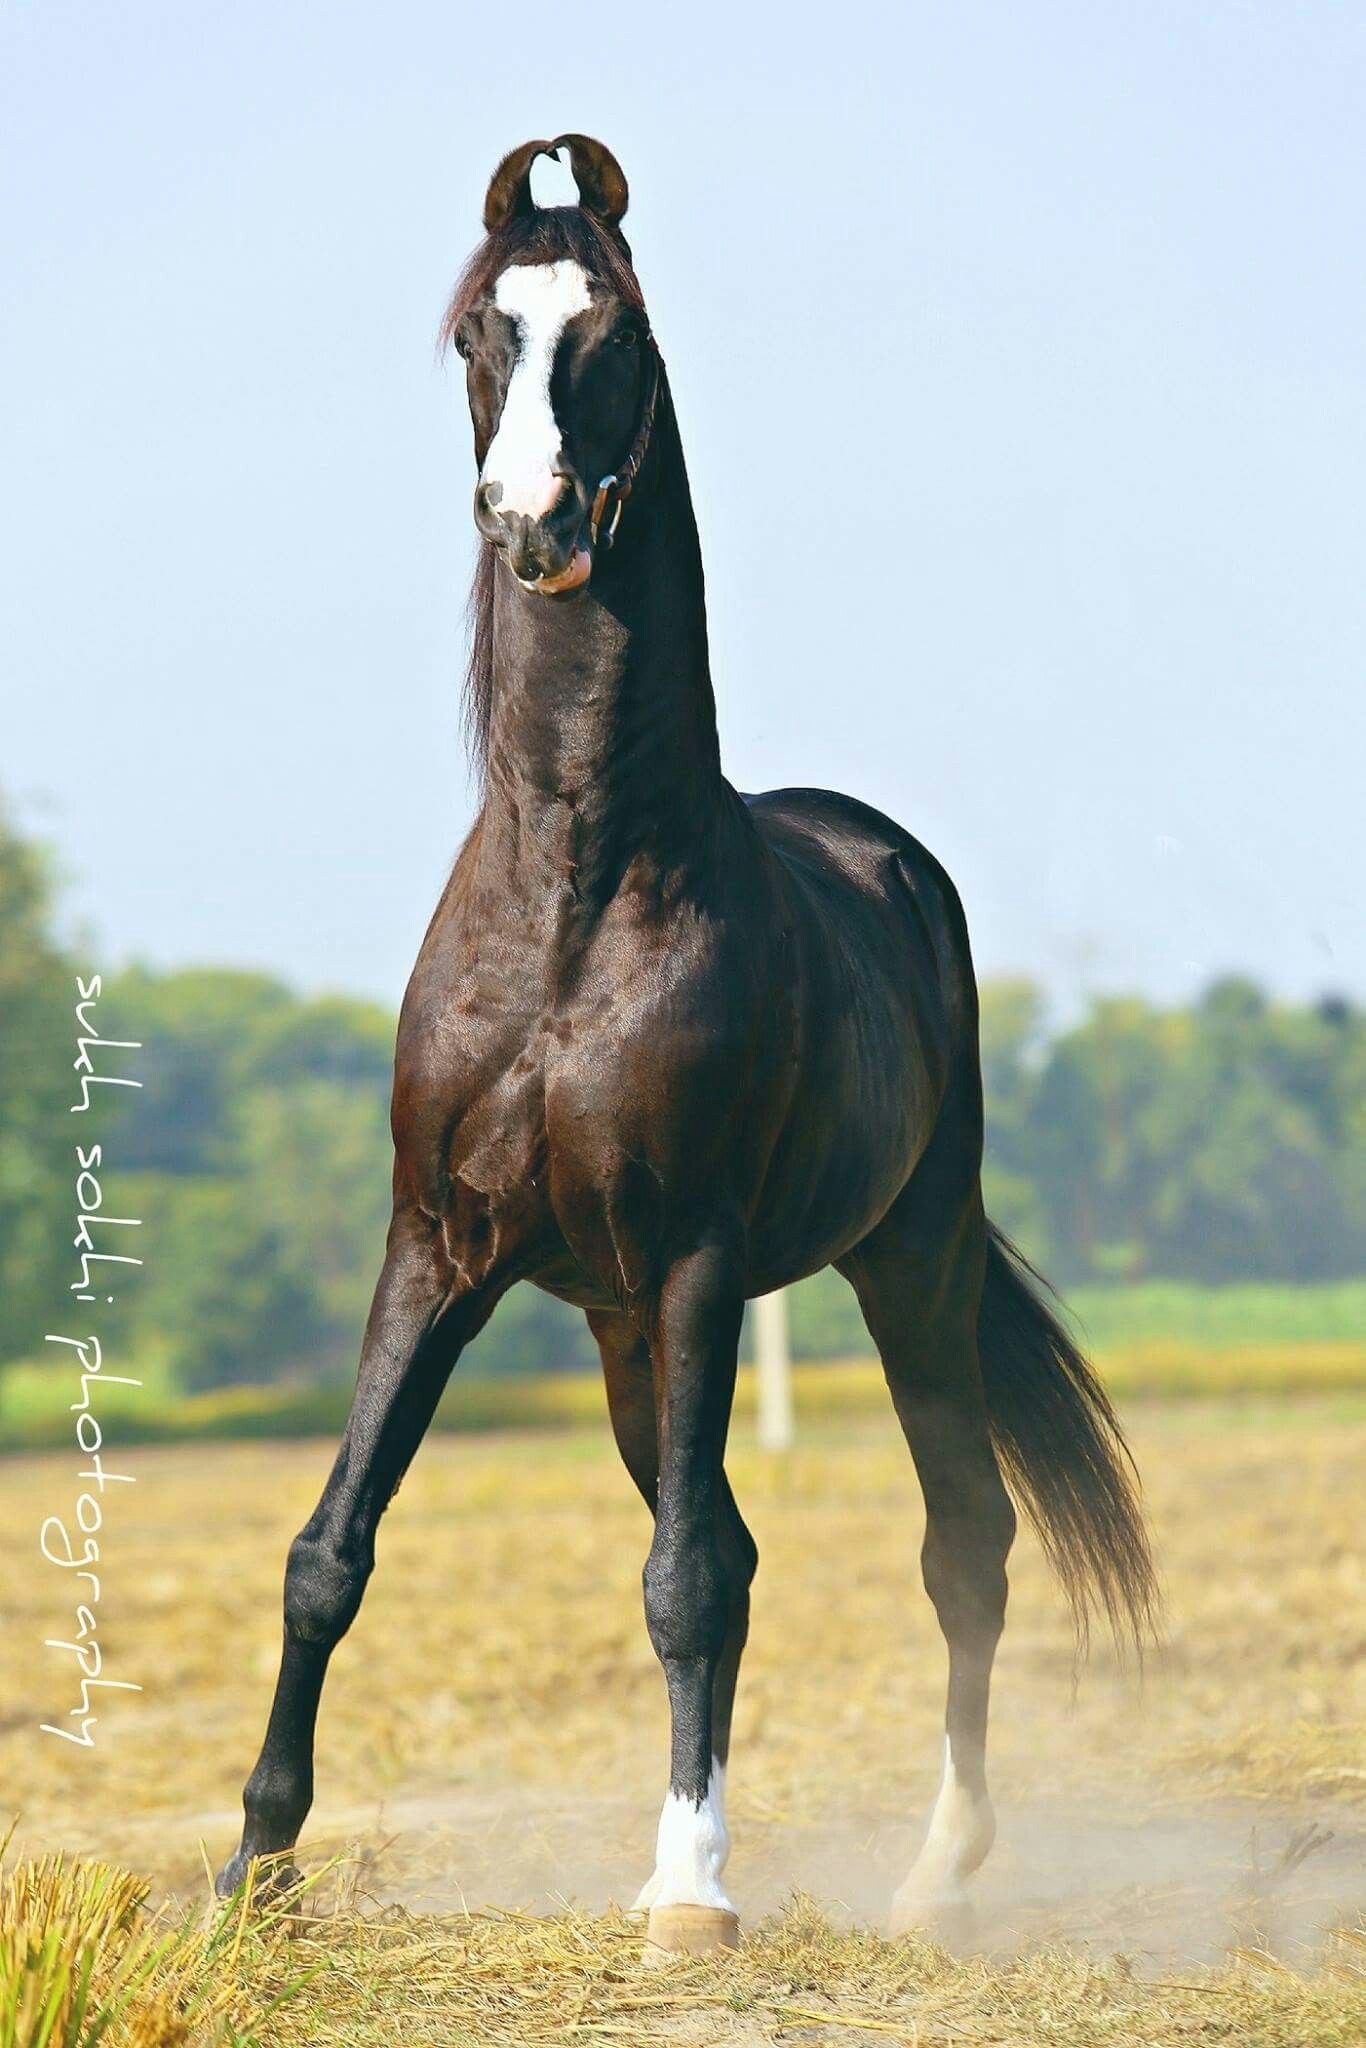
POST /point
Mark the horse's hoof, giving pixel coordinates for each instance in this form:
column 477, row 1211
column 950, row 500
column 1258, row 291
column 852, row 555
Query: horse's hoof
column 230, row 1877
column 949, row 1921
column 689, row 1931
column 275, row 1878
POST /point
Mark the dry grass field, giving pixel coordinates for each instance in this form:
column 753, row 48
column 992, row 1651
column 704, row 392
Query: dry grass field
column 1181, row 1857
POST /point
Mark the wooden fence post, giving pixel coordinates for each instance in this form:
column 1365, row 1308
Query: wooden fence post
column 773, row 1361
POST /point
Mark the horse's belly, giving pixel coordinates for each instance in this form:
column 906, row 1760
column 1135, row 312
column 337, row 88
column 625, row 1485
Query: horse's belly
column 791, row 1237
column 851, row 1140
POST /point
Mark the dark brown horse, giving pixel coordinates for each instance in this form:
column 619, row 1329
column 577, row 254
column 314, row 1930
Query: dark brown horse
column 667, row 1048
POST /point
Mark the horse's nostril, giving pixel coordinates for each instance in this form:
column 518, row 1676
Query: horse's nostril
column 487, row 517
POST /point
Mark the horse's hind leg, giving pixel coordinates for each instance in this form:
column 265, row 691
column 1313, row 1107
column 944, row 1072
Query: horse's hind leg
column 919, row 1281
column 693, row 1841
column 412, row 1338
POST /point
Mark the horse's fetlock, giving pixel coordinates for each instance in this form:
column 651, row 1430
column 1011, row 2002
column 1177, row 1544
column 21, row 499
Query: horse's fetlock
column 276, row 1800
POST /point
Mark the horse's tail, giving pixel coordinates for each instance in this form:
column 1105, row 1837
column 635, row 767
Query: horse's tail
column 1063, row 1452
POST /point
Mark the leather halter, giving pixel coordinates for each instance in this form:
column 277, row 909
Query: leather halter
column 616, row 488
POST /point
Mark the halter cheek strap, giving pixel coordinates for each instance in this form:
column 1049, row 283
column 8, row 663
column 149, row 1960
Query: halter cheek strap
column 615, row 489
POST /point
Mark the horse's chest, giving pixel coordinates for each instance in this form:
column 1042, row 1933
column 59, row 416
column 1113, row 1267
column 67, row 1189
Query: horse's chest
column 543, row 1122
column 495, row 1169
column 548, row 1151
column 500, row 1141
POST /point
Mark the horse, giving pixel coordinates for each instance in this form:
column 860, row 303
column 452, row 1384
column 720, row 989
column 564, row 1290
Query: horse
column 667, row 1048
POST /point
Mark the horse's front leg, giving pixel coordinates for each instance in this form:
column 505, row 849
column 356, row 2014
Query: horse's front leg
column 418, row 1323
column 688, row 1596
column 628, row 1373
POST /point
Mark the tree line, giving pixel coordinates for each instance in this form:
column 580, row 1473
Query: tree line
column 1221, row 1140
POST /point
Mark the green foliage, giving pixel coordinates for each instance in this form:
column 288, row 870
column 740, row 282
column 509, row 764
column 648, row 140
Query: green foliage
column 1222, row 1142
column 1012, row 1040
column 534, row 1333
column 226, row 1290
column 37, row 1157
column 261, row 1161
column 200, row 1028
column 314, row 1163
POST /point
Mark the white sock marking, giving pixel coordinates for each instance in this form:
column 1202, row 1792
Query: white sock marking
column 543, row 298
column 962, row 1829
column 691, row 1850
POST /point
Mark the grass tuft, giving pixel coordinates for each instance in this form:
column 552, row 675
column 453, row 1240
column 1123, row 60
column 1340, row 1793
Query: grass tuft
column 83, row 1961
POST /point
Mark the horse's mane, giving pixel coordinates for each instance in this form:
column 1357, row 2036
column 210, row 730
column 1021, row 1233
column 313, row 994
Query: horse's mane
column 548, row 235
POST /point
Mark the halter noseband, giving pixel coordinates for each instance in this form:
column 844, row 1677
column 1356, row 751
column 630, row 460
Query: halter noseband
column 616, row 488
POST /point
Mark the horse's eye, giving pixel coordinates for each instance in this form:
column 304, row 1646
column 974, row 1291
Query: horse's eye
column 627, row 337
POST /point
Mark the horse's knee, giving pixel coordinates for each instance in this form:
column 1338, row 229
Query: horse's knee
column 687, row 1597
column 323, row 1591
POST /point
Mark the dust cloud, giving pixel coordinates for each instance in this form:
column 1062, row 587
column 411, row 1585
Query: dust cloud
column 1164, row 1885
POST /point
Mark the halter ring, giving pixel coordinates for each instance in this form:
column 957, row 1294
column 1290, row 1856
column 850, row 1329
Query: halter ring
column 608, row 483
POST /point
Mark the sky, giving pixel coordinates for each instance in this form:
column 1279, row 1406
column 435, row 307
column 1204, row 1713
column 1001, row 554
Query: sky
column 1018, row 350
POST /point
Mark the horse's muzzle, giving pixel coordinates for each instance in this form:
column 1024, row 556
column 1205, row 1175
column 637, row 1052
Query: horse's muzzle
column 544, row 550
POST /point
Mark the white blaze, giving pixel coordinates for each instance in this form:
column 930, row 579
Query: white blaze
column 691, row 1850
column 542, row 298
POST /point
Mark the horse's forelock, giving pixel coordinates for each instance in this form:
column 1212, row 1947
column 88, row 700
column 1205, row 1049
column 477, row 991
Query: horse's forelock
column 550, row 235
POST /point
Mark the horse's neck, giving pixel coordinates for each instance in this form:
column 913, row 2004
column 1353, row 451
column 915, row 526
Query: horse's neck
column 602, row 754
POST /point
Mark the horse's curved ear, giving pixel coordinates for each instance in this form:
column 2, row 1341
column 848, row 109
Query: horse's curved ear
column 509, row 193
column 603, row 190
